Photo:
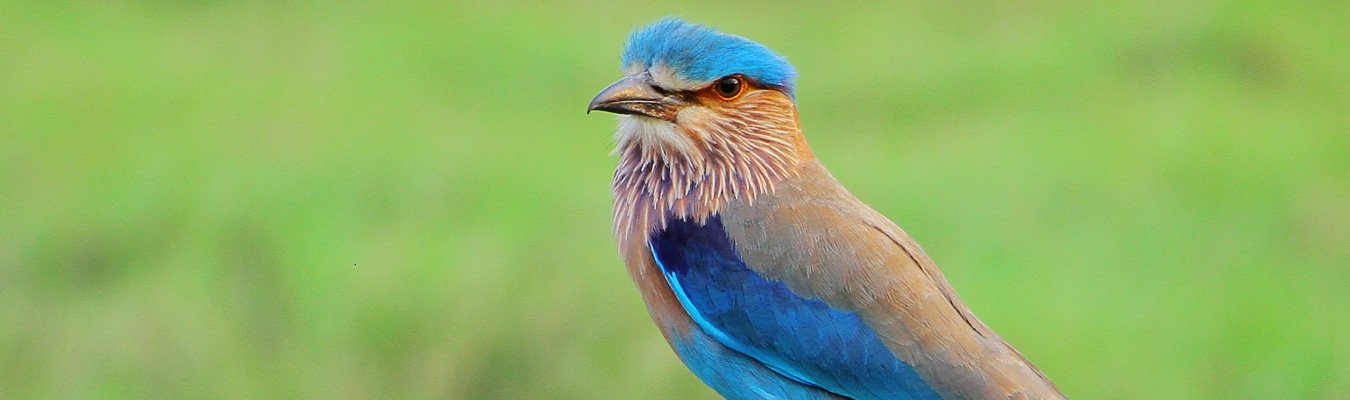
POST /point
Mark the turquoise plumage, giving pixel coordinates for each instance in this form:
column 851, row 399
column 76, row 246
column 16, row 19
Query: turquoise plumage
column 770, row 280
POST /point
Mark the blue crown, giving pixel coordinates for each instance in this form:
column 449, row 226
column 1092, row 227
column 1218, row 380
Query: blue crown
column 700, row 53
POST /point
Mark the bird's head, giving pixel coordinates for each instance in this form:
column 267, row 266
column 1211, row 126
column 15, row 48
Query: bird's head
column 689, row 91
column 706, row 119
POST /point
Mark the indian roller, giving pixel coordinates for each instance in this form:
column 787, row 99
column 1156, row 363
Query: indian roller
column 767, row 278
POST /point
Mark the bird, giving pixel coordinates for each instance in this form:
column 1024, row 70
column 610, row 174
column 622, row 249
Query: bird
column 768, row 279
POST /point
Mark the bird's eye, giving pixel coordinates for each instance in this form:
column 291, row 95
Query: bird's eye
column 729, row 87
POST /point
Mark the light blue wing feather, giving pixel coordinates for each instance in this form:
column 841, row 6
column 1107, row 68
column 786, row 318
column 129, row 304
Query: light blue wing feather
column 803, row 339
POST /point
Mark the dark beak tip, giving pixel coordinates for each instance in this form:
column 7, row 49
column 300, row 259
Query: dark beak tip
column 596, row 104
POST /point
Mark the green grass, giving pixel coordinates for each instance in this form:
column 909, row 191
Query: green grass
column 343, row 201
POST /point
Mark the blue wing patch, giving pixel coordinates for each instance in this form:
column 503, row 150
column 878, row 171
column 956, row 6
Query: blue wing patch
column 803, row 339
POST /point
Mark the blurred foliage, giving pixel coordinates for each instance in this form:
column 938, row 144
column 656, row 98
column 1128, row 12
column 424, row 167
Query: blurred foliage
column 403, row 200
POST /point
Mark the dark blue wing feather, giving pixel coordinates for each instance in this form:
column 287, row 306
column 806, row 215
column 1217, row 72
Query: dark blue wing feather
column 803, row 339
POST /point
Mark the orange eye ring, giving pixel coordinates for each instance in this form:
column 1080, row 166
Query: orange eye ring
column 729, row 87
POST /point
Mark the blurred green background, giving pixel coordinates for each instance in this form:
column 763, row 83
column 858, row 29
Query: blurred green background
column 401, row 200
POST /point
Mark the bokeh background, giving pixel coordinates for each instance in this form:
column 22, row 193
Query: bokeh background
column 400, row 200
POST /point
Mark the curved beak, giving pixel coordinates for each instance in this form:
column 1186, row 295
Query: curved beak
column 637, row 95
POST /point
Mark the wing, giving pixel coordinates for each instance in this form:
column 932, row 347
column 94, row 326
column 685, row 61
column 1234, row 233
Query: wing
column 803, row 339
column 823, row 243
